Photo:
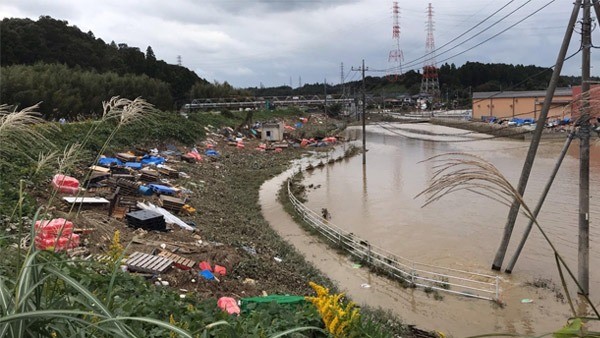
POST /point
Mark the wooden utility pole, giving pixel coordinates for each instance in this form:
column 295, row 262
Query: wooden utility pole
column 535, row 141
column 538, row 208
column 584, row 153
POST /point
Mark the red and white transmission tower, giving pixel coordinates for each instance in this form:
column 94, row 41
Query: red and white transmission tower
column 430, row 83
column 395, row 57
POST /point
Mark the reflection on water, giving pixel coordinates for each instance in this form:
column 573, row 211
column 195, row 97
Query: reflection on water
column 463, row 230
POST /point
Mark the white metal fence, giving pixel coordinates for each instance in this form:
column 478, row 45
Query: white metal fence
column 430, row 277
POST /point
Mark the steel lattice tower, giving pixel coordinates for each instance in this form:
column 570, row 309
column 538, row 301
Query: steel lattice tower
column 430, row 83
column 396, row 56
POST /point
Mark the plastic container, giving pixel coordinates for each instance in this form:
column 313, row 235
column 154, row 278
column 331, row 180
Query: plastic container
column 145, row 191
column 53, row 227
column 57, row 244
column 65, row 184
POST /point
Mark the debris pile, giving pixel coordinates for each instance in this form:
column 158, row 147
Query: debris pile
column 162, row 201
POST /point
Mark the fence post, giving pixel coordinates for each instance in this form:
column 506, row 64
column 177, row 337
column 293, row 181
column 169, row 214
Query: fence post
column 412, row 273
column 497, row 288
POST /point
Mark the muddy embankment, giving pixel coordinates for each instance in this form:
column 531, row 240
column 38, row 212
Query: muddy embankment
column 500, row 130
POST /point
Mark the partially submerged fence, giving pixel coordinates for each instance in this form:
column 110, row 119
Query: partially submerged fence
column 430, row 277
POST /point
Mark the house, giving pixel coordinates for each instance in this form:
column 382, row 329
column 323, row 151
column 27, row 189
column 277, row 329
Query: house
column 272, row 131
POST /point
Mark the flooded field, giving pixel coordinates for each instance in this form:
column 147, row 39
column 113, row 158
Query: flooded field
column 377, row 203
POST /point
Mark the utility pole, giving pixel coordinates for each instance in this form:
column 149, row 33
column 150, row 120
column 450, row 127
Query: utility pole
column 535, row 141
column 342, row 81
column 584, row 153
column 364, row 103
column 325, row 105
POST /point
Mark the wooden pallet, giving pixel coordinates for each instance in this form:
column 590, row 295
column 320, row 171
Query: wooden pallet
column 169, row 172
column 102, row 258
column 149, row 175
column 99, row 190
column 127, row 187
column 142, row 262
column 172, row 203
column 180, row 262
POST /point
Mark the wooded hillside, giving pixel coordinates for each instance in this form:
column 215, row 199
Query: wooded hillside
column 71, row 72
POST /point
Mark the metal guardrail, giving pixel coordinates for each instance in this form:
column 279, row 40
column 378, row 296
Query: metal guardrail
column 470, row 284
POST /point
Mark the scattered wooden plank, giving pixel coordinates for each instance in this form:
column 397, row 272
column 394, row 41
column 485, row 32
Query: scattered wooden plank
column 120, row 212
column 99, row 190
column 86, row 200
column 125, row 157
column 279, row 145
column 100, row 169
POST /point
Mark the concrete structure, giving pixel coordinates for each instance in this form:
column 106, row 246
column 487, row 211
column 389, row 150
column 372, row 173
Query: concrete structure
column 521, row 104
column 272, row 132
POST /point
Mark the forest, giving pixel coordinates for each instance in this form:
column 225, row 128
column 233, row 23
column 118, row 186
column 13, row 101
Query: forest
column 70, row 72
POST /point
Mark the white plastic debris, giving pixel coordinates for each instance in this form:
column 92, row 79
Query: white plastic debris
column 169, row 217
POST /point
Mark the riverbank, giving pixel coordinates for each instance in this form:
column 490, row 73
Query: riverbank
column 513, row 132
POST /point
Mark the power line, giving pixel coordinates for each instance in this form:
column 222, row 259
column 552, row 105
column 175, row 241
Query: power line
column 412, row 62
column 489, row 27
column 461, row 35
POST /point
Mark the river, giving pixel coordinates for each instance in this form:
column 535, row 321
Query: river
column 377, row 203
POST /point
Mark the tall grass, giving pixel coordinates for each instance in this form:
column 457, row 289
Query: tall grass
column 17, row 131
column 39, row 299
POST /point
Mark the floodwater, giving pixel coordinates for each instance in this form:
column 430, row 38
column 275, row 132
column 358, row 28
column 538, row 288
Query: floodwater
column 463, row 230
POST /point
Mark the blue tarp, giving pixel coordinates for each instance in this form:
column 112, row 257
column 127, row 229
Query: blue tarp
column 155, row 160
column 134, row 165
column 162, row 189
column 520, row 122
column 109, row 161
column 146, row 191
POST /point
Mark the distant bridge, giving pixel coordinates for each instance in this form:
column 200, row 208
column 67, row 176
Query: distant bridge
column 262, row 102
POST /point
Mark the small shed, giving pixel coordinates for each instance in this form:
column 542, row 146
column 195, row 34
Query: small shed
column 272, row 132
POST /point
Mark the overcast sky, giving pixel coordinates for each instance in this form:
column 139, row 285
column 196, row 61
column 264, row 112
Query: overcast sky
column 249, row 42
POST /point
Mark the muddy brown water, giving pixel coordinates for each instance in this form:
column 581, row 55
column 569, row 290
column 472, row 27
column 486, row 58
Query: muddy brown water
column 377, row 203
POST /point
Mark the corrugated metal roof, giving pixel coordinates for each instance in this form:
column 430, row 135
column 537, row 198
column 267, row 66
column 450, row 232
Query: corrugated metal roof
column 526, row 93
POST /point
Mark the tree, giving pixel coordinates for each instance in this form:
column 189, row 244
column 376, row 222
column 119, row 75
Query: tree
column 150, row 54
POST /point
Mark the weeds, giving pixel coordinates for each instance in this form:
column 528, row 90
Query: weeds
column 545, row 283
column 340, row 320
